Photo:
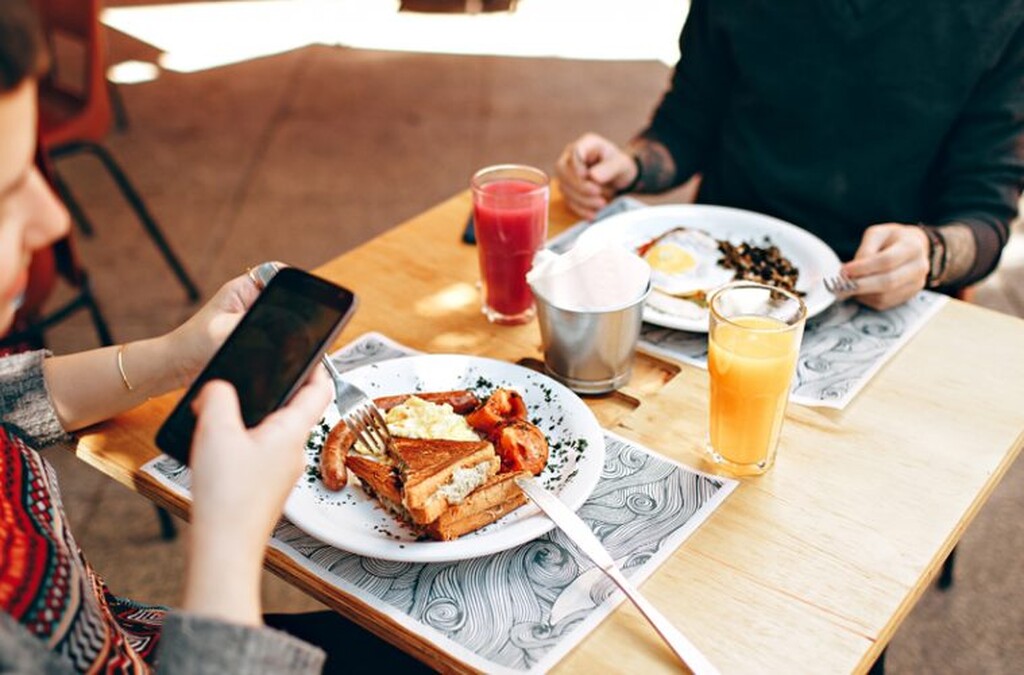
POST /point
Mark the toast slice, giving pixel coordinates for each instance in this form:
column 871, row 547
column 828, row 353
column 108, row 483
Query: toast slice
column 435, row 474
column 489, row 502
column 381, row 482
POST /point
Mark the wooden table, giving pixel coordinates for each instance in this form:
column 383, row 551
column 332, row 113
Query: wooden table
column 809, row 568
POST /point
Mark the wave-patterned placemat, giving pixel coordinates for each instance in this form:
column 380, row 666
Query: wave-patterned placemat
column 842, row 348
column 523, row 609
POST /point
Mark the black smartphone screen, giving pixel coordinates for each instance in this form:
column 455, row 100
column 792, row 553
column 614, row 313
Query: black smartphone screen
column 270, row 352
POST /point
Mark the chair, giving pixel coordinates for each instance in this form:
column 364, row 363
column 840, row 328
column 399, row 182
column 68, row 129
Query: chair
column 75, row 113
column 31, row 321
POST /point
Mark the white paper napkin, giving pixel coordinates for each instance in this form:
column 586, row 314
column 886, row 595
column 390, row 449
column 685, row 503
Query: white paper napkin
column 590, row 276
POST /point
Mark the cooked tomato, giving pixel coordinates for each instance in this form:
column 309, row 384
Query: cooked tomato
column 521, row 446
column 502, row 406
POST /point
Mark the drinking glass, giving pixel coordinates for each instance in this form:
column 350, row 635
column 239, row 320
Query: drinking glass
column 753, row 344
column 510, row 214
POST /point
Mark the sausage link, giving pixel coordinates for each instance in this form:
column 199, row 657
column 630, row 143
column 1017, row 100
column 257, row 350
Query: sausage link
column 462, row 401
column 333, row 454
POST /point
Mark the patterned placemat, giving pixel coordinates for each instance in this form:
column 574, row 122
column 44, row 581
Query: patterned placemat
column 521, row 610
column 842, row 348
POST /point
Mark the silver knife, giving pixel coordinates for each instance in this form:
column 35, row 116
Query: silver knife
column 580, row 534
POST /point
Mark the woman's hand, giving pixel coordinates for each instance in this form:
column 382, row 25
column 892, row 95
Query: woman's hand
column 240, row 481
column 890, row 266
column 193, row 343
column 591, row 171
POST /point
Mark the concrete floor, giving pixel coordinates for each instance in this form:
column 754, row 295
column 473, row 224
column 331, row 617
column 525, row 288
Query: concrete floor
column 301, row 155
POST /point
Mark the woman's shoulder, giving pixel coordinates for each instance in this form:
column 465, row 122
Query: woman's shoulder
column 24, row 400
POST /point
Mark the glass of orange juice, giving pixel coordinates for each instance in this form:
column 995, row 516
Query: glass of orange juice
column 753, row 343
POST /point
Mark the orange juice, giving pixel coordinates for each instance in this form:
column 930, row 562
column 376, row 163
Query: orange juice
column 751, row 360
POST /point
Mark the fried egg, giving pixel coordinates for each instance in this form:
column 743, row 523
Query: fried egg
column 684, row 261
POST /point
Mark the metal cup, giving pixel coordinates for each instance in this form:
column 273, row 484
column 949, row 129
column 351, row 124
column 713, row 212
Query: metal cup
column 591, row 352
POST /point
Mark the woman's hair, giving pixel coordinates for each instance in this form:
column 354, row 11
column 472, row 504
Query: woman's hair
column 22, row 48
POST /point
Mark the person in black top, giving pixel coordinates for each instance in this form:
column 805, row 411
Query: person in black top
column 893, row 130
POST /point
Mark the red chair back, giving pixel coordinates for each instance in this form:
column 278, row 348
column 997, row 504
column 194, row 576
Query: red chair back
column 74, row 102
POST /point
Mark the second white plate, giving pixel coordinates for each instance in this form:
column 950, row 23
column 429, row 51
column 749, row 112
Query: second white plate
column 814, row 259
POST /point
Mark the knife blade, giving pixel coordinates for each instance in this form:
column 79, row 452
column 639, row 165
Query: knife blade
column 591, row 546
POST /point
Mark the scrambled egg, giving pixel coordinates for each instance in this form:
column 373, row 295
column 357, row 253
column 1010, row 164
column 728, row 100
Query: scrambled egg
column 417, row 418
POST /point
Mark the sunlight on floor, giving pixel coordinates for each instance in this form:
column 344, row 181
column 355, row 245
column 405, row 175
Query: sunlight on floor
column 201, row 35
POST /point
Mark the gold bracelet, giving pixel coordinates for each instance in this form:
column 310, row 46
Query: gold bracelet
column 120, row 368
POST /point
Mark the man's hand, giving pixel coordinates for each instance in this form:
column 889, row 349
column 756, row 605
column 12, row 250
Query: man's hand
column 890, row 266
column 591, row 170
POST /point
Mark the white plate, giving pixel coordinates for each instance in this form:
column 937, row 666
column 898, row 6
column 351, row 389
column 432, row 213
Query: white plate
column 353, row 521
column 812, row 257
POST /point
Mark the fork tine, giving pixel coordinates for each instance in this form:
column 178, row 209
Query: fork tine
column 380, row 424
column 368, row 442
column 367, row 438
column 360, row 414
column 840, row 284
column 372, row 430
column 378, row 427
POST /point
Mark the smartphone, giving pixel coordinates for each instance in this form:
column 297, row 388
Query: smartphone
column 269, row 354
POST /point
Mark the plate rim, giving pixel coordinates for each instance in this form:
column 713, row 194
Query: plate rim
column 624, row 219
column 532, row 525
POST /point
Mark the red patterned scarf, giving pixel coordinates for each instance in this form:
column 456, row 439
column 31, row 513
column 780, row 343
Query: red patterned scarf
column 46, row 584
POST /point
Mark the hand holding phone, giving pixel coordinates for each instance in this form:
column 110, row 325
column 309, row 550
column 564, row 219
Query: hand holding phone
column 270, row 352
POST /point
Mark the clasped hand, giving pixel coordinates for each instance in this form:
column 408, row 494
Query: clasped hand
column 591, row 171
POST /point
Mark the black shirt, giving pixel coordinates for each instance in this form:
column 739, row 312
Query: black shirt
column 839, row 114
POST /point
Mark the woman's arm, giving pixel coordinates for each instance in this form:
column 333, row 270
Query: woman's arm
column 87, row 387
column 92, row 386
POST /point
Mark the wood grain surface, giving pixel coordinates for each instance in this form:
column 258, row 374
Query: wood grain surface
column 810, row 568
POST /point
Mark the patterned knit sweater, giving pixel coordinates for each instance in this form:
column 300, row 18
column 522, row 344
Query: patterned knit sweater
column 56, row 614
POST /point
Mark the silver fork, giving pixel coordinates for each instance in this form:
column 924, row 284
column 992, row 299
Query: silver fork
column 357, row 410
column 359, row 413
column 840, row 284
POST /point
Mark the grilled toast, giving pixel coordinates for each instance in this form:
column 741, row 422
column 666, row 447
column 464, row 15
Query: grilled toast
column 436, row 474
column 492, row 500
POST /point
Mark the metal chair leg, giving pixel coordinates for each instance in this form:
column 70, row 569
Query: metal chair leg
column 168, row 530
column 946, row 575
column 117, row 105
column 139, row 206
column 74, row 208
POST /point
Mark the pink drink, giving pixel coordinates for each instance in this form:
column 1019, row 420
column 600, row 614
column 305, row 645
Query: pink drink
column 510, row 211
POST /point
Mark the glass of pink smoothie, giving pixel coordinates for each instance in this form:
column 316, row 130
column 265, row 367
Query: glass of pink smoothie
column 510, row 212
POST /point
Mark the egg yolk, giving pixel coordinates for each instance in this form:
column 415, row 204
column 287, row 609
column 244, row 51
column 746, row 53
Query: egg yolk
column 670, row 258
